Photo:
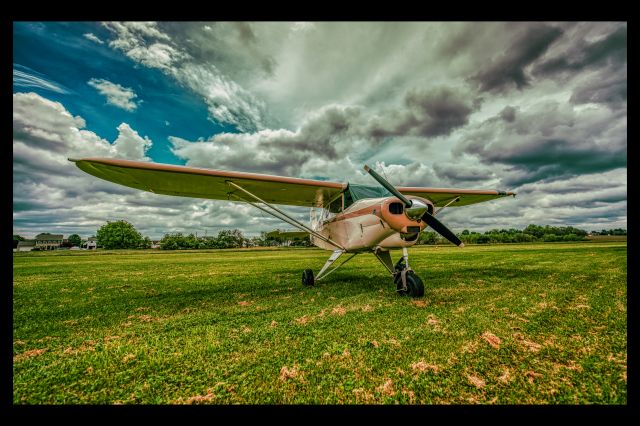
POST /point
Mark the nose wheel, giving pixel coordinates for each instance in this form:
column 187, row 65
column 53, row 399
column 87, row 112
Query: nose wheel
column 407, row 282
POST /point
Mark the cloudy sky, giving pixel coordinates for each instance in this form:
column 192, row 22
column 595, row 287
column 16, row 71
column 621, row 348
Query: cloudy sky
column 537, row 108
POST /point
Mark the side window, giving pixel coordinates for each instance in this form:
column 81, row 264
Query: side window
column 348, row 199
column 336, row 205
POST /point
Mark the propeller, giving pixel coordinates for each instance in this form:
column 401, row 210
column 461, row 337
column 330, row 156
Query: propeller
column 417, row 209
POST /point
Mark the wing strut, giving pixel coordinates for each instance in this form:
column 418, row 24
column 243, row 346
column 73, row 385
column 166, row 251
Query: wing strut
column 455, row 200
column 279, row 214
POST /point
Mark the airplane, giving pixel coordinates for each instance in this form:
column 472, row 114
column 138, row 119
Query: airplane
column 345, row 218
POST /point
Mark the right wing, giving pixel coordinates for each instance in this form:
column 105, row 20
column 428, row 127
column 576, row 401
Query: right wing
column 206, row 183
column 441, row 196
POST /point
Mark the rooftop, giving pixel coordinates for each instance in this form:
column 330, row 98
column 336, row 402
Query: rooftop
column 48, row 237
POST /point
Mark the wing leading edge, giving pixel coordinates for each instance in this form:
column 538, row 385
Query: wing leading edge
column 442, row 196
column 206, row 183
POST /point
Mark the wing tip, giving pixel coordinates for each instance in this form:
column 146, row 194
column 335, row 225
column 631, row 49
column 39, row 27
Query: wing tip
column 73, row 160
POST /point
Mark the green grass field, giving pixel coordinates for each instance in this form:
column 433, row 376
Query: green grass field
column 501, row 324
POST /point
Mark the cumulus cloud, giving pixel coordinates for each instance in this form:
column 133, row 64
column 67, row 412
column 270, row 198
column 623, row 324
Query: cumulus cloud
column 45, row 134
column 122, row 97
column 227, row 101
column 52, row 195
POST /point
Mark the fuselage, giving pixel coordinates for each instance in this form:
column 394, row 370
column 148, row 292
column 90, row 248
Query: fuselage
column 368, row 224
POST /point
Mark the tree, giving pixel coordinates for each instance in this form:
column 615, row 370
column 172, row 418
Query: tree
column 16, row 240
column 75, row 240
column 119, row 235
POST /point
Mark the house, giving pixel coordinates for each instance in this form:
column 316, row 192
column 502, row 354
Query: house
column 92, row 243
column 26, row 245
column 155, row 244
column 47, row 241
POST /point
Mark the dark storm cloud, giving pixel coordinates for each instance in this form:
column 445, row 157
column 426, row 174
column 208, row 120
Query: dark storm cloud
column 427, row 113
column 610, row 50
column 550, row 141
column 508, row 114
column 330, row 135
column 611, row 91
column 462, row 174
column 507, row 70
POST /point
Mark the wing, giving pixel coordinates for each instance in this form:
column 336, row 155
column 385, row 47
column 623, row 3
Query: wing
column 441, row 196
column 206, row 183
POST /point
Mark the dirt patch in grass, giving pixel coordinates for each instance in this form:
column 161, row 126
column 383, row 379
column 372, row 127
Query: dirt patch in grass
column 528, row 345
column 469, row 347
column 419, row 303
column 505, row 377
column 532, row 375
column 287, row 373
column 434, row 323
column 303, row 320
column 421, row 367
column 409, row 394
column 581, row 306
column 198, row 399
column 86, row 346
column 362, row 396
column 476, row 381
column 386, row 388
column 144, row 318
column 492, row 339
column 28, row 354
column 571, row 366
column 127, row 358
column 244, row 303
column 339, row 311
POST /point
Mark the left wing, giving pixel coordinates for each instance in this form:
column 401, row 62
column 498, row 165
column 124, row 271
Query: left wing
column 206, row 183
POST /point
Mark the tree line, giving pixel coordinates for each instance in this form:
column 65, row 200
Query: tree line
column 530, row 234
column 123, row 235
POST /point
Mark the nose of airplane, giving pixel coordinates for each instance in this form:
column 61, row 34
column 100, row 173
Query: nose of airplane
column 417, row 209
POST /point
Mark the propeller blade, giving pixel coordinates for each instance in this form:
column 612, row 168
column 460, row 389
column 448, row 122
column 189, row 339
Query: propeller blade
column 441, row 229
column 388, row 186
column 417, row 210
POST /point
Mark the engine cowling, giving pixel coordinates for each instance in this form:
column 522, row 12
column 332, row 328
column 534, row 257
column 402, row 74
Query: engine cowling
column 402, row 219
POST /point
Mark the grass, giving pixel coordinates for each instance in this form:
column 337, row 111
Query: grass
column 501, row 324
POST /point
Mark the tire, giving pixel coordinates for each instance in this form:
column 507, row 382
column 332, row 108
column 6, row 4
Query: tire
column 307, row 277
column 415, row 286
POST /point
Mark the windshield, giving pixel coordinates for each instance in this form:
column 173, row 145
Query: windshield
column 355, row 192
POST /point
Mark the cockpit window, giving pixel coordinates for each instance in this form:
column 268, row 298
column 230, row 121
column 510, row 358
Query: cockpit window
column 355, row 192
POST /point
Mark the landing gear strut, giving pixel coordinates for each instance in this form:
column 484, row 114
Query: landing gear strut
column 307, row 274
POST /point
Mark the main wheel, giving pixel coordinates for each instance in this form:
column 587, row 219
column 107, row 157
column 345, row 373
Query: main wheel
column 307, row 277
column 415, row 286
